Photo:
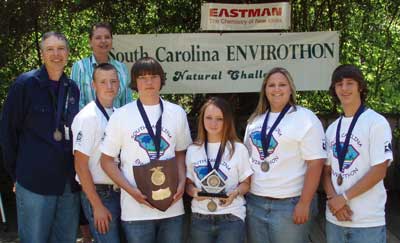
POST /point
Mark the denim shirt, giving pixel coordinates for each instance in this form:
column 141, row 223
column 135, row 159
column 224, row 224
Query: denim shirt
column 31, row 155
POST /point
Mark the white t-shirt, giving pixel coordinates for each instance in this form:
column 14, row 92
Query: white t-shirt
column 370, row 144
column 88, row 129
column 233, row 170
column 127, row 132
column 298, row 137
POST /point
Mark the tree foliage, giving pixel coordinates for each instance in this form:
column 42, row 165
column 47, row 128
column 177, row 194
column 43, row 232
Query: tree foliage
column 368, row 38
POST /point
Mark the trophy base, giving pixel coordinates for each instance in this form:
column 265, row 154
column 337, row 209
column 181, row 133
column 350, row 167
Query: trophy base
column 208, row 194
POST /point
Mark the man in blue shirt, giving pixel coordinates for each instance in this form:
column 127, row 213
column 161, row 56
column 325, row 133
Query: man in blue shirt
column 37, row 148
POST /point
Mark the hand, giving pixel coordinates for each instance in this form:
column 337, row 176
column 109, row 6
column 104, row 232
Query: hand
column 228, row 201
column 102, row 218
column 14, row 188
column 179, row 192
column 344, row 214
column 301, row 213
column 336, row 203
column 195, row 192
column 140, row 197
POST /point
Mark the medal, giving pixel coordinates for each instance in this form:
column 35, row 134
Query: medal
column 341, row 150
column 58, row 105
column 213, row 181
column 211, row 206
column 265, row 140
column 339, row 180
column 264, row 166
column 57, row 135
column 157, row 177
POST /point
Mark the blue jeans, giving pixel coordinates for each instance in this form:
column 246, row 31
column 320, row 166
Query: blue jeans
column 47, row 218
column 111, row 200
column 225, row 228
column 271, row 220
column 152, row 231
column 336, row 233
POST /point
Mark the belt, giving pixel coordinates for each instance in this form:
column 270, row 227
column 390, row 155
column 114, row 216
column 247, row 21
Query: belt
column 272, row 198
column 223, row 217
column 107, row 187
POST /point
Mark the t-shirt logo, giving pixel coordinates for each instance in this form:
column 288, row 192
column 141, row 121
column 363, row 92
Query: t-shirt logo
column 147, row 144
column 388, row 147
column 255, row 138
column 349, row 158
column 79, row 137
column 202, row 171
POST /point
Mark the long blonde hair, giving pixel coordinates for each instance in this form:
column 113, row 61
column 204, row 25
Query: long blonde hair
column 229, row 135
column 263, row 104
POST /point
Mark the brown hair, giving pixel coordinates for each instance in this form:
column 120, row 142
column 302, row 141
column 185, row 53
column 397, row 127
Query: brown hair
column 263, row 104
column 96, row 26
column 352, row 72
column 143, row 66
column 228, row 131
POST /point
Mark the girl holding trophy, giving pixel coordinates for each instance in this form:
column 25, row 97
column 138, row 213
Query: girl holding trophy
column 218, row 175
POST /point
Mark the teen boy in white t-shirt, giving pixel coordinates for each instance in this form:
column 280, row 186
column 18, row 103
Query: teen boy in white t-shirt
column 128, row 133
column 354, row 172
column 100, row 198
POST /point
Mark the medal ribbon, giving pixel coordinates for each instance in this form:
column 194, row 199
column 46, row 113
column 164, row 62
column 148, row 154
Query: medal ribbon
column 157, row 137
column 217, row 159
column 101, row 108
column 265, row 140
column 59, row 106
column 341, row 151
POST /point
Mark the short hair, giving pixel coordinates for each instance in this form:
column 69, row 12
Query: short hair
column 104, row 67
column 58, row 35
column 143, row 66
column 352, row 72
column 263, row 104
column 229, row 136
column 100, row 25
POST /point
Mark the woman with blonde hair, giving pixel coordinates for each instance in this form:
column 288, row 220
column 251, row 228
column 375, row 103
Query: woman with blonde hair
column 217, row 163
column 287, row 149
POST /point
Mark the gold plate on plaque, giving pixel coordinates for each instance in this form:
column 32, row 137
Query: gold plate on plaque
column 161, row 194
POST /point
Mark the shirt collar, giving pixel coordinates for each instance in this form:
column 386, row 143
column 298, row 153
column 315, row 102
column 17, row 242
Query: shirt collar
column 94, row 63
column 43, row 77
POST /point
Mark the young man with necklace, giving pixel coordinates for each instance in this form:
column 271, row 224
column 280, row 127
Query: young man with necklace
column 100, row 197
column 148, row 131
column 359, row 152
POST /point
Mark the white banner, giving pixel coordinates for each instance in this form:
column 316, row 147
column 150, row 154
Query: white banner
column 262, row 16
column 233, row 62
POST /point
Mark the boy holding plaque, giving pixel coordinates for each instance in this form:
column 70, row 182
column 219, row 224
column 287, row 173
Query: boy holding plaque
column 218, row 168
column 354, row 172
column 286, row 144
column 152, row 136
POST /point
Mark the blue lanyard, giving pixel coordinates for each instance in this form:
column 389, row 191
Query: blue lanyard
column 157, row 137
column 342, row 150
column 101, row 108
column 60, row 106
column 265, row 140
column 217, row 159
